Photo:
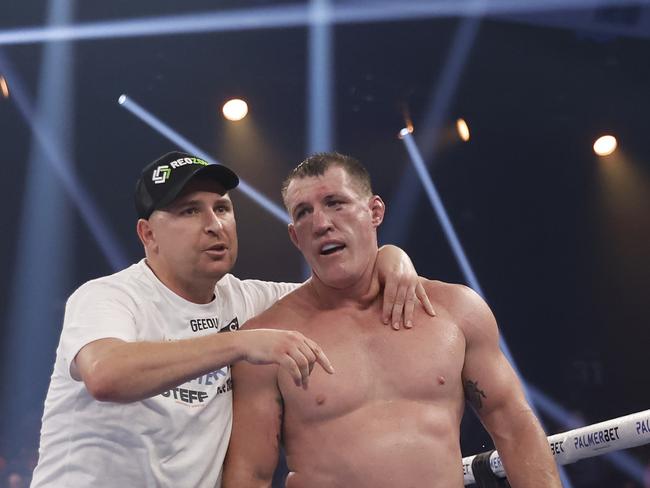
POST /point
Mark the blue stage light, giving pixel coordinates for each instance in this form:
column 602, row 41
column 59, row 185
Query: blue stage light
column 407, row 191
column 319, row 92
column 536, row 397
column 76, row 191
column 292, row 16
column 165, row 130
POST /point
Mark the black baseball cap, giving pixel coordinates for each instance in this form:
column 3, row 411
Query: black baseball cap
column 162, row 180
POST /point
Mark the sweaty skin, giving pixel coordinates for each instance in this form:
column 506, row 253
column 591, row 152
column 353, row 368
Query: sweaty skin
column 390, row 414
column 385, row 418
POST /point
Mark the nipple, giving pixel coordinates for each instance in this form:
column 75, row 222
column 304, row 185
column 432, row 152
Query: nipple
column 441, row 380
column 320, row 399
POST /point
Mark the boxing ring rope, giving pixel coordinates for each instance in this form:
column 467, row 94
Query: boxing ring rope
column 592, row 440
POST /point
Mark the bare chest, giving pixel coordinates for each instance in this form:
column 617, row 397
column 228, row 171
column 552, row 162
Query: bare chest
column 375, row 364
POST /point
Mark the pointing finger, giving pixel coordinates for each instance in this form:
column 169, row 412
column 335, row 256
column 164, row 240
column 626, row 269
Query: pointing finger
column 321, row 358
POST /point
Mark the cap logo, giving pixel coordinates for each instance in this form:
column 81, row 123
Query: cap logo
column 161, row 174
column 184, row 161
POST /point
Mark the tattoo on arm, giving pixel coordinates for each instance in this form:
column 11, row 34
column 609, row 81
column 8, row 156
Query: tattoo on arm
column 473, row 394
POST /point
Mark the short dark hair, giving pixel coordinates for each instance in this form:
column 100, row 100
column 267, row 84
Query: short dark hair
column 317, row 164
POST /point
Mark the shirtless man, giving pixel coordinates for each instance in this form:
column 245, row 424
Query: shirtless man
column 390, row 415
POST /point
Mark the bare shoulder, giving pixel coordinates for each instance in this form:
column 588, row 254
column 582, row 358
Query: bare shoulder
column 463, row 305
column 285, row 314
column 451, row 296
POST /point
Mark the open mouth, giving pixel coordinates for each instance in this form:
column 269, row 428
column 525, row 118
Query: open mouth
column 218, row 248
column 329, row 249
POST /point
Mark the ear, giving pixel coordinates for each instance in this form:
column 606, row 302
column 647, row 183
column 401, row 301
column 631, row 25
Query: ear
column 377, row 210
column 145, row 233
column 292, row 235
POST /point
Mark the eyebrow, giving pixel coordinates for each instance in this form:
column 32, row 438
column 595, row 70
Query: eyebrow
column 329, row 196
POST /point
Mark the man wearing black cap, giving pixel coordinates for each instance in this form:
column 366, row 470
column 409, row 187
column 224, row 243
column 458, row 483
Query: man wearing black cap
column 141, row 391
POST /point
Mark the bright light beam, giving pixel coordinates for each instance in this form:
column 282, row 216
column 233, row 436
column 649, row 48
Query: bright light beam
column 90, row 214
column 461, row 257
column 320, row 106
column 535, row 397
column 163, row 129
column 42, row 265
column 290, row 16
column 40, row 279
column 450, row 233
column 407, row 190
column 321, row 72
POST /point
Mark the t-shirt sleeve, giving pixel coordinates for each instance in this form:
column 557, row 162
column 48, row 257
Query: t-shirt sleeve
column 95, row 311
column 263, row 294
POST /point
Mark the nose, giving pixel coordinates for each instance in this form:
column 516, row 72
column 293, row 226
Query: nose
column 213, row 223
column 322, row 223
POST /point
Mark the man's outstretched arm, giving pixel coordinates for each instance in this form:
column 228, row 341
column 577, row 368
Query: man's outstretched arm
column 494, row 391
column 118, row 371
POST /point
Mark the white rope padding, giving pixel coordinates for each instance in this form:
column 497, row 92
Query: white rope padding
column 592, row 440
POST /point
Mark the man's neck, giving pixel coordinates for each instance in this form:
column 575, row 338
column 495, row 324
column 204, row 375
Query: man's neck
column 359, row 294
column 196, row 290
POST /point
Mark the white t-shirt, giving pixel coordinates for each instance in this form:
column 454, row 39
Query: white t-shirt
column 176, row 439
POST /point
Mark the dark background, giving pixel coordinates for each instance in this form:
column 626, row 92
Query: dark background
column 558, row 237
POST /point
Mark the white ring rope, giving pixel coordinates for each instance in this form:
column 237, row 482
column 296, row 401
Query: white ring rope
column 589, row 441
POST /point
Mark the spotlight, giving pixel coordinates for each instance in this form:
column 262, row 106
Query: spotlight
column 4, row 87
column 235, row 109
column 605, row 145
column 122, row 99
column 463, row 129
column 405, row 131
